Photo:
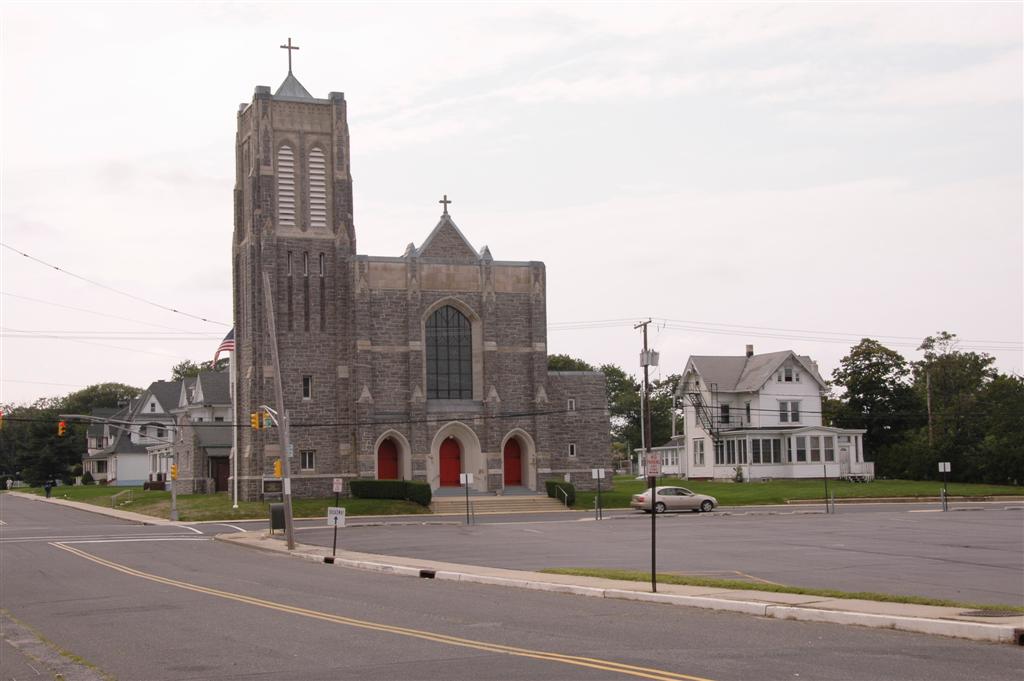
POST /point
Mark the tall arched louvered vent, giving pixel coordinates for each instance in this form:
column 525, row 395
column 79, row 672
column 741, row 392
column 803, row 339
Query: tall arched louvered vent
column 317, row 189
column 285, row 186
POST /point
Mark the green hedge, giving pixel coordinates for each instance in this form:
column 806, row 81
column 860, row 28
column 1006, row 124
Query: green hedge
column 569, row 488
column 418, row 492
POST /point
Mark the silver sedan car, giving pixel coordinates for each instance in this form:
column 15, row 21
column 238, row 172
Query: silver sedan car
column 673, row 499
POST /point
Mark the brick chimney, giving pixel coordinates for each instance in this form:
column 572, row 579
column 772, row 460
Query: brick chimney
column 750, row 350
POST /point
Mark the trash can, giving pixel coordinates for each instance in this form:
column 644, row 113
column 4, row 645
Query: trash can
column 276, row 517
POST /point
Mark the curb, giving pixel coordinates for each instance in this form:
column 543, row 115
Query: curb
column 936, row 626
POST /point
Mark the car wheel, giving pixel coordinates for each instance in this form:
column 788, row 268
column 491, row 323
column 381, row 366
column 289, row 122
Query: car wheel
column 659, row 507
column 706, row 506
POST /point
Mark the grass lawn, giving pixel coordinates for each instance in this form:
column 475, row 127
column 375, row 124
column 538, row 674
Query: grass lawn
column 194, row 507
column 734, row 584
column 781, row 491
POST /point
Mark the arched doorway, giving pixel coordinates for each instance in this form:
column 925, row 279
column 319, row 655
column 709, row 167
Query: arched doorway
column 387, row 460
column 451, row 462
column 513, row 463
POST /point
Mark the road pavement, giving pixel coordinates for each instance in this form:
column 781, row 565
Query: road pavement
column 166, row 602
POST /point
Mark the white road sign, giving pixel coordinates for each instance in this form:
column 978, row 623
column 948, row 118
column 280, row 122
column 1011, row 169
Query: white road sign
column 597, row 473
column 335, row 516
column 653, row 464
column 944, row 467
column 465, row 478
column 338, row 485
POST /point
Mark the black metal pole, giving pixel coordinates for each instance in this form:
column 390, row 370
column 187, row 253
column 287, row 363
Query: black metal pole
column 597, row 506
column 334, row 548
column 945, row 488
column 824, row 469
column 467, row 497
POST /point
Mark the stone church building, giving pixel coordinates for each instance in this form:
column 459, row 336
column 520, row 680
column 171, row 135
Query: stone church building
column 420, row 366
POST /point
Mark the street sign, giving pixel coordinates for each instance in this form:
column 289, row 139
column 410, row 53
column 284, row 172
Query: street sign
column 338, row 485
column 465, row 478
column 944, row 467
column 291, row 450
column 597, row 473
column 567, row 477
column 652, row 465
column 335, row 516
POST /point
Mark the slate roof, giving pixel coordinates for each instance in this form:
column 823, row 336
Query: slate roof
column 213, row 436
column 291, row 88
column 747, row 374
column 167, row 393
column 96, row 429
column 215, row 387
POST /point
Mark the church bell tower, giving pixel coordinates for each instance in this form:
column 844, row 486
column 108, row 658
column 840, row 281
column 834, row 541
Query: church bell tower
column 293, row 221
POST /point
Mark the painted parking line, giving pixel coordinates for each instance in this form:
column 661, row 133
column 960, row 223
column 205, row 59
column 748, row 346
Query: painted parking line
column 422, row 634
column 925, row 510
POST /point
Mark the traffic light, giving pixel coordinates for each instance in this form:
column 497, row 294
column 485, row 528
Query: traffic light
column 174, row 471
column 267, row 421
column 254, row 420
column 62, row 428
column 277, row 468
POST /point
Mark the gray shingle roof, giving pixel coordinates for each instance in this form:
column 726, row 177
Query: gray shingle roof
column 166, row 393
column 215, row 387
column 213, row 436
column 96, row 429
column 747, row 374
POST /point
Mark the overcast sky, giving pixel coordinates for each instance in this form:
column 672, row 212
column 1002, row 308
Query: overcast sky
column 791, row 176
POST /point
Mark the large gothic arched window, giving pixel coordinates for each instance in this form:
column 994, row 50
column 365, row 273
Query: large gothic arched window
column 285, row 186
column 449, row 355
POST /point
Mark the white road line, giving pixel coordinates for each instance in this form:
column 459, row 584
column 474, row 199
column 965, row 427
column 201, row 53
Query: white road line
column 233, row 527
column 925, row 510
column 186, row 527
column 62, row 537
column 124, row 541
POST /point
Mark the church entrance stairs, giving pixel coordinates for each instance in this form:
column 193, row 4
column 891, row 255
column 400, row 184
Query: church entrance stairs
column 511, row 503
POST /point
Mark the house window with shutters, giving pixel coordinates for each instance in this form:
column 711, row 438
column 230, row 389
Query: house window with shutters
column 285, row 186
column 317, row 189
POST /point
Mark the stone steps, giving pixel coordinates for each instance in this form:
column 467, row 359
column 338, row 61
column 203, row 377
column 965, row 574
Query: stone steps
column 496, row 504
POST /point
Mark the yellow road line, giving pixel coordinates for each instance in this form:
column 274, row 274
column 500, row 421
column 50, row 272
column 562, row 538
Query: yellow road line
column 592, row 663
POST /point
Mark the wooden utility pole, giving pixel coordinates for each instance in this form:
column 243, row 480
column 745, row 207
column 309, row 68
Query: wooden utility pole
column 286, row 473
column 652, row 480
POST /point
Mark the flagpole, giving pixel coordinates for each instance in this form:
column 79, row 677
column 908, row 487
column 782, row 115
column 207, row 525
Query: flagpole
column 232, row 380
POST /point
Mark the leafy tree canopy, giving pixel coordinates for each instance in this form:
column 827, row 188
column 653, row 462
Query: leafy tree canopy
column 567, row 363
column 189, row 369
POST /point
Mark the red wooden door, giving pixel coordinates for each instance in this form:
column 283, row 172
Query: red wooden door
column 513, row 463
column 451, row 462
column 221, row 471
column 387, row 460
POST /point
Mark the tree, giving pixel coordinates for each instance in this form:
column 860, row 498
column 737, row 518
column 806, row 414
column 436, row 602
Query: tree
column 624, row 397
column 108, row 395
column 189, row 369
column 999, row 456
column 567, row 363
column 878, row 396
column 954, row 382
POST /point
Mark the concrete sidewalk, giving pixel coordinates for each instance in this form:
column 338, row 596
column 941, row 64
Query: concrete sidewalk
column 138, row 518
column 922, row 619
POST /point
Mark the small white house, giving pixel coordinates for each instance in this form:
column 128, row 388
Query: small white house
column 759, row 416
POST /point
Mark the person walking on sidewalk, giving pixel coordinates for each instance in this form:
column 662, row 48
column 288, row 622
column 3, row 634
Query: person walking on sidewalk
column 48, row 486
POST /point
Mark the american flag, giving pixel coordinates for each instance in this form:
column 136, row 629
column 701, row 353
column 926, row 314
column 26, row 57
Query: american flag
column 226, row 345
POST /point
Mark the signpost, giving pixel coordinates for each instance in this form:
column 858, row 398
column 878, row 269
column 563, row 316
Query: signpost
column 598, row 474
column 466, row 479
column 944, row 468
column 335, row 519
column 652, row 465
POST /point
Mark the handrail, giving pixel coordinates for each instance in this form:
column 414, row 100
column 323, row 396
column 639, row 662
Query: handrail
column 564, row 493
column 113, row 499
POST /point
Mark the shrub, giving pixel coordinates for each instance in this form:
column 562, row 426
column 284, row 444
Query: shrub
column 407, row 490
column 87, row 478
column 569, row 489
column 76, row 470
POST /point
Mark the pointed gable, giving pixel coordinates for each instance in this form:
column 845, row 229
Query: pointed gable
column 291, row 88
column 446, row 242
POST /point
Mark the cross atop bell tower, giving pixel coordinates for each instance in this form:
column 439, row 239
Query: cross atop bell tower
column 289, row 47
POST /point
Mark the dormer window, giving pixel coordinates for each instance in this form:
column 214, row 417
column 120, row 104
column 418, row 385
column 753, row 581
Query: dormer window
column 788, row 375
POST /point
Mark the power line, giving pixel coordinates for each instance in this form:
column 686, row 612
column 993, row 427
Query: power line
column 86, row 342
column 110, row 288
column 93, row 312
